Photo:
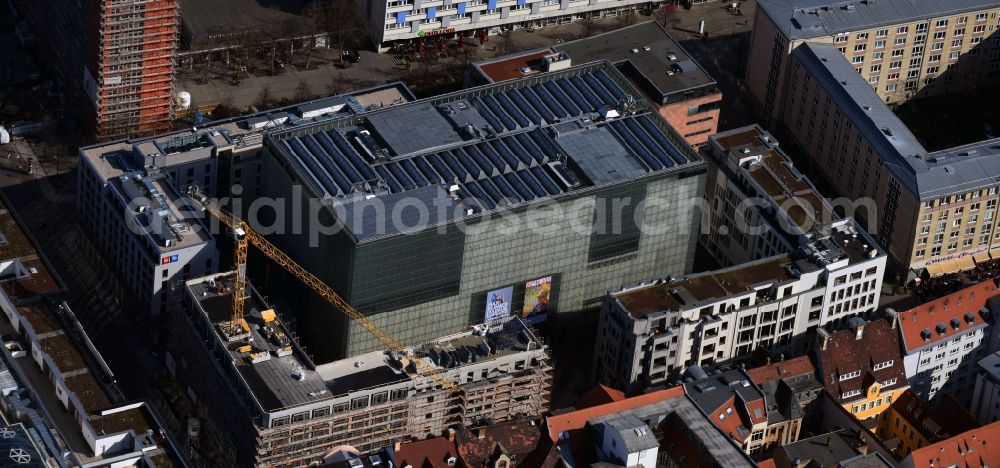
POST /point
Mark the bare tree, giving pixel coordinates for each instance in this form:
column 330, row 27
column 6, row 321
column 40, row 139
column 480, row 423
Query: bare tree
column 345, row 23
column 588, row 27
column 265, row 98
column 660, row 15
column 303, row 91
column 627, row 19
column 505, row 44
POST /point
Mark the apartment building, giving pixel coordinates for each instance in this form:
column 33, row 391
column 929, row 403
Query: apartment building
column 116, row 58
column 167, row 240
column 735, row 406
column 757, row 203
column 942, row 340
column 267, row 404
column 406, row 20
column 986, row 396
column 150, row 232
column 935, row 210
column 975, row 447
column 107, row 433
column 928, row 48
column 790, row 389
column 915, row 423
column 798, row 266
column 684, row 435
column 687, row 97
column 861, row 367
column 650, row 332
column 842, row 447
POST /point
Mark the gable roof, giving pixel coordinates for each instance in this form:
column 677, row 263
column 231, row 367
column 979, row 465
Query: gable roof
column 939, row 320
column 431, row 453
column 599, row 395
column 844, row 353
column 782, row 369
column 577, row 419
column 517, row 439
column 979, row 447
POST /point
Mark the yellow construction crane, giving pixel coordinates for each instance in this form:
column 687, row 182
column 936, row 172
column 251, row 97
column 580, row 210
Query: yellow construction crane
column 243, row 234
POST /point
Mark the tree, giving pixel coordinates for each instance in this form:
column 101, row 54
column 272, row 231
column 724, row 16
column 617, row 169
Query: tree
column 627, row 19
column 303, row 92
column 660, row 15
column 588, row 27
column 265, row 98
column 506, row 44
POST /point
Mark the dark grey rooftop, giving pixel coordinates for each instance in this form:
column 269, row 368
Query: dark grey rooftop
column 17, row 449
column 666, row 66
column 711, row 392
column 635, row 434
column 803, row 19
column 364, row 218
column 989, row 367
column 415, row 128
column 216, row 22
column 495, row 146
column 838, row 448
column 929, row 175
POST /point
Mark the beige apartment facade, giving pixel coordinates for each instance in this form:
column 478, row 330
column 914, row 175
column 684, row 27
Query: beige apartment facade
column 829, row 78
column 930, row 48
column 932, row 211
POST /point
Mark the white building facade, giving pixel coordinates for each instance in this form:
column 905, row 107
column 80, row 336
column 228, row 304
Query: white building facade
column 403, row 20
column 943, row 339
column 650, row 332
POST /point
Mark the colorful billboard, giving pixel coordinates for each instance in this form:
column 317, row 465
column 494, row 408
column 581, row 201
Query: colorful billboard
column 536, row 299
column 498, row 304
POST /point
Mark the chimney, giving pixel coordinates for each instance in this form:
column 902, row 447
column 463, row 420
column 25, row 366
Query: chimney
column 893, row 316
column 451, row 435
column 824, row 337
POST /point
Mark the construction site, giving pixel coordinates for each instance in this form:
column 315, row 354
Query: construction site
column 273, row 406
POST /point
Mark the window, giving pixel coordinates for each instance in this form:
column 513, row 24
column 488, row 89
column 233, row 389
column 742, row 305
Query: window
column 883, row 32
column 880, row 44
column 934, row 58
column 897, row 53
column 953, row 56
column 890, row 88
column 954, row 45
column 941, row 24
column 848, row 376
column 899, row 41
column 877, row 56
column 902, row 30
column 860, row 47
column 862, row 36
column 850, row 393
column 882, row 365
column 876, row 69
column 959, row 32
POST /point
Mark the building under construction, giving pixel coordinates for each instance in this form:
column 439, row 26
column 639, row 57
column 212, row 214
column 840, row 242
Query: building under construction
column 265, row 403
column 116, row 59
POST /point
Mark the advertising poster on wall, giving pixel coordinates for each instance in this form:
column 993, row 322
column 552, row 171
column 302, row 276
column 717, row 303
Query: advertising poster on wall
column 536, row 299
column 498, row 304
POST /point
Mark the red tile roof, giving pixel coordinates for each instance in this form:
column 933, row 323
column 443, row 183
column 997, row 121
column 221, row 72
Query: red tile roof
column 510, row 68
column 577, row 419
column 781, row 370
column 518, row 439
column 844, row 354
column 599, row 395
column 428, row 453
column 934, row 423
column 923, row 325
column 976, row 448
